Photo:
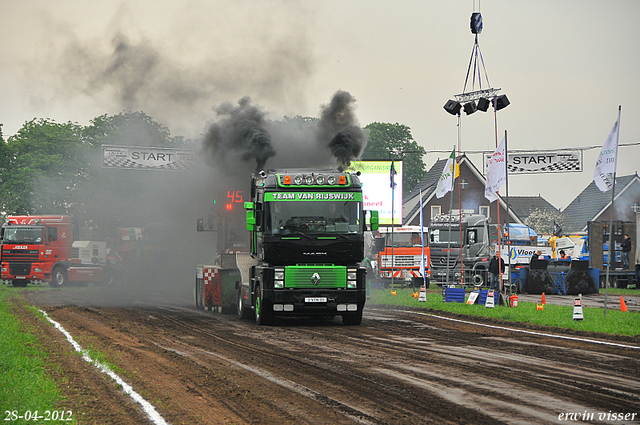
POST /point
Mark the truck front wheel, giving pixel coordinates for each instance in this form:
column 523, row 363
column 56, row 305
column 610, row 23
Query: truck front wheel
column 264, row 312
column 59, row 277
column 352, row 318
column 243, row 311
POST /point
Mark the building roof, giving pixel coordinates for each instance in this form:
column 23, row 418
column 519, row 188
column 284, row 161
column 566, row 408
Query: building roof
column 428, row 184
column 523, row 206
column 591, row 202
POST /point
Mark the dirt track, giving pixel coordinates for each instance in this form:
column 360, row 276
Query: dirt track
column 198, row 367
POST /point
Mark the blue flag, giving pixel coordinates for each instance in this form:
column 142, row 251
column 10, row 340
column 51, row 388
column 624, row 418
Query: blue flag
column 392, row 174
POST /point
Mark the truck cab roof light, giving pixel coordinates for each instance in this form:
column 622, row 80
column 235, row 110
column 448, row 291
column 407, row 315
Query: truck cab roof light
column 287, row 179
column 342, row 179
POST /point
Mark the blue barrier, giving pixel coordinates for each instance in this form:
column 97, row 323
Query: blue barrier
column 452, row 294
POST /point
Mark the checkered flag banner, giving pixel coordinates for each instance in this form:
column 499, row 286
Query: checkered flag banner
column 147, row 158
column 543, row 162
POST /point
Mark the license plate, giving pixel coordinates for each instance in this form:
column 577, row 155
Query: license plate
column 20, row 277
column 315, row 299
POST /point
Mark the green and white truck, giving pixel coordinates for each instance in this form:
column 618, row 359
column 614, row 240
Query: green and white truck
column 307, row 242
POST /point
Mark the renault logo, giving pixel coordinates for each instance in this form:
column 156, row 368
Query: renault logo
column 315, row 279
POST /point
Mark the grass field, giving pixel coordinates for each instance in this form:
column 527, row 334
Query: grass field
column 553, row 316
column 26, row 386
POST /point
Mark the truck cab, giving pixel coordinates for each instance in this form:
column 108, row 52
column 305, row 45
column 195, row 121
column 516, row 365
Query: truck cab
column 32, row 247
column 460, row 245
column 402, row 252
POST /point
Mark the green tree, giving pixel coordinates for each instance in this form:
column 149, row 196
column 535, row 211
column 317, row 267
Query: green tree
column 542, row 221
column 44, row 168
column 130, row 129
column 394, row 141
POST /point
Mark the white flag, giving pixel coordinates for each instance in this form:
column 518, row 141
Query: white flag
column 445, row 184
column 606, row 163
column 496, row 173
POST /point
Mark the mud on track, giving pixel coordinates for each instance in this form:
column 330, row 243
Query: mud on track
column 198, row 367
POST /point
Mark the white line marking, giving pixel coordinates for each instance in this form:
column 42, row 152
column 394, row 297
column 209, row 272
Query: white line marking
column 151, row 412
column 594, row 341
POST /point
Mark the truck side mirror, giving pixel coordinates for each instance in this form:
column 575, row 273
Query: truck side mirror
column 251, row 219
column 375, row 221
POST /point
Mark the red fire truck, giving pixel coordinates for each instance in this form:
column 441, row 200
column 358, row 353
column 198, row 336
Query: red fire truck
column 37, row 249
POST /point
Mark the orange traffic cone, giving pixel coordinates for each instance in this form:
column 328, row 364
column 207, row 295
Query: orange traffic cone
column 543, row 301
column 539, row 306
column 394, row 292
column 623, row 305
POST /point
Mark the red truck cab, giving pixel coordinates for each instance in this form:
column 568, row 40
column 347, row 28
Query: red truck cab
column 37, row 249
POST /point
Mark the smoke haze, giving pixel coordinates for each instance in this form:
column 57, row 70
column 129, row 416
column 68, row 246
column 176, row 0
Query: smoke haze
column 339, row 128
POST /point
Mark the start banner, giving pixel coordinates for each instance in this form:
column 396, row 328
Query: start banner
column 541, row 162
column 147, row 158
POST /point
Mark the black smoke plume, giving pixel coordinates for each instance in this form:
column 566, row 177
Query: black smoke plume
column 339, row 128
column 240, row 131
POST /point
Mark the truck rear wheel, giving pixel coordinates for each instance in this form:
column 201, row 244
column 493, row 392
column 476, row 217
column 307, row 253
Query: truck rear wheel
column 352, row 319
column 199, row 295
column 59, row 277
column 264, row 312
column 108, row 277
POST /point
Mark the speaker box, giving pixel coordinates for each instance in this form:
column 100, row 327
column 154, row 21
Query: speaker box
column 483, row 104
column 452, row 107
column 502, row 102
column 470, row 108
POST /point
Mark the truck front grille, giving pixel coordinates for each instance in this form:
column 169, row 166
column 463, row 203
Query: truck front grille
column 19, row 255
column 20, row 269
column 315, row 277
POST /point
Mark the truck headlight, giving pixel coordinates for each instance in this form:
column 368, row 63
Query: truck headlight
column 4, row 270
column 352, row 278
column 278, row 278
column 37, row 269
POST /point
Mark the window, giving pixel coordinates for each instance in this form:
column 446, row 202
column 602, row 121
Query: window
column 464, row 183
column 635, row 207
column 435, row 210
column 484, row 210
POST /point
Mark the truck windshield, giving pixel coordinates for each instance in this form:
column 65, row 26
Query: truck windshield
column 26, row 235
column 312, row 217
column 405, row 239
column 444, row 236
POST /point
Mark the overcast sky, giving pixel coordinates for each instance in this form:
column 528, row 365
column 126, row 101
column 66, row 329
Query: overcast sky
column 565, row 65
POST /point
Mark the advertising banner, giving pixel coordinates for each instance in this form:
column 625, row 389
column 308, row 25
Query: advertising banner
column 147, row 158
column 541, row 162
column 376, row 188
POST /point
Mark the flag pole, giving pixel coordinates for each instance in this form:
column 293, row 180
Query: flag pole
column 611, row 210
column 422, row 262
column 393, row 188
column 499, row 247
column 506, row 173
column 459, row 212
column 455, row 165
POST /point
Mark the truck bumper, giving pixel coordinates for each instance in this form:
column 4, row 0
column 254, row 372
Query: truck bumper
column 315, row 302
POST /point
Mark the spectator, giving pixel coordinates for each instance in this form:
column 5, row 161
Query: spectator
column 563, row 255
column 536, row 256
column 496, row 268
column 626, row 249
